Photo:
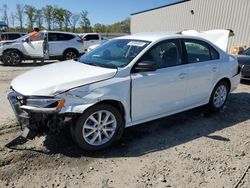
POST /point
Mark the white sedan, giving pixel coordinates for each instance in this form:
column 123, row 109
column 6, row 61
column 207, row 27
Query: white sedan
column 124, row 82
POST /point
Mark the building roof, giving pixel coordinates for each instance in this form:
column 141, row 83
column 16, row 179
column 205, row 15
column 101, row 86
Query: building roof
column 171, row 4
column 3, row 24
column 156, row 36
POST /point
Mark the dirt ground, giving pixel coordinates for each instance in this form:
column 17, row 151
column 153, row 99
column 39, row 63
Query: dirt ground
column 190, row 149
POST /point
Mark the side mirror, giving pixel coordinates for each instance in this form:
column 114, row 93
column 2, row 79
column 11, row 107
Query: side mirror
column 145, row 66
column 26, row 40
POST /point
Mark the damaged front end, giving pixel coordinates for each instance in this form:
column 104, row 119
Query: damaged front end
column 37, row 114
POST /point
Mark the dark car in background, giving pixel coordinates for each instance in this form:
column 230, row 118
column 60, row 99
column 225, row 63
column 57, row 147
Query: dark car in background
column 244, row 62
column 11, row 35
column 246, row 52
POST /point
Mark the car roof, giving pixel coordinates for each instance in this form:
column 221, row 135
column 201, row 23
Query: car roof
column 62, row 32
column 22, row 33
column 88, row 33
column 155, row 36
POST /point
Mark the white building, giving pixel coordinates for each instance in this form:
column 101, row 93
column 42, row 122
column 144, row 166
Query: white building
column 199, row 15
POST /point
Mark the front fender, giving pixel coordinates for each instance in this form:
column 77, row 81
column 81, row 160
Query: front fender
column 78, row 102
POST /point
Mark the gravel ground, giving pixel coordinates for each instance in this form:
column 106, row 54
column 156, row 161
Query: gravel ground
column 190, row 149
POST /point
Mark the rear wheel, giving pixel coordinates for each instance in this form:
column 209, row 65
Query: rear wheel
column 219, row 96
column 12, row 58
column 99, row 127
column 70, row 54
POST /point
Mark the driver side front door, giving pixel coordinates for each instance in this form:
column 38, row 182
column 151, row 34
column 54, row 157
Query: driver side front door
column 35, row 48
column 162, row 91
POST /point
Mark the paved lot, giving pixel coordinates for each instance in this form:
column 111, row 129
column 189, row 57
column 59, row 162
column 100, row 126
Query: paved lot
column 191, row 149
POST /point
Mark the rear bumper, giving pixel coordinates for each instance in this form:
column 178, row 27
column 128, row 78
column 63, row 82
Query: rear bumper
column 235, row 80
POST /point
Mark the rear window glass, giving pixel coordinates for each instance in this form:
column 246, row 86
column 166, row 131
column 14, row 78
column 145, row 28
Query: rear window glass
column 13, row 36
column 60, row 37
column 199, row 51
column 91, row 37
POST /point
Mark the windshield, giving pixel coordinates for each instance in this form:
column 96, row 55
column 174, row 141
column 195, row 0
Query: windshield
column 114, row 53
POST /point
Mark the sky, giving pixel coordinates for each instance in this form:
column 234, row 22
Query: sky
column 100, row 11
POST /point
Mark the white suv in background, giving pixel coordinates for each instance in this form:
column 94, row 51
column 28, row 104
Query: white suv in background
column 91, row 39
column 50, row 45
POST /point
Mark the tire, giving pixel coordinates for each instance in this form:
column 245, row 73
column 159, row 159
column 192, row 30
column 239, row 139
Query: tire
column 12, row 58
column 70, row 54
column 219, row 96
column 91, row 133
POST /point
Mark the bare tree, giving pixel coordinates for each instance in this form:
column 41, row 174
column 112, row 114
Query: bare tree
column 5, row 14
column 12, row 19
column 30, row 11
column 74, row 20
column 20, row 14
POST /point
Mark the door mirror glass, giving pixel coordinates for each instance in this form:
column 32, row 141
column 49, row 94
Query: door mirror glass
column 146, row 66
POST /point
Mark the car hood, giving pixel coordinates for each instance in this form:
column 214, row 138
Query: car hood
column 50, row 80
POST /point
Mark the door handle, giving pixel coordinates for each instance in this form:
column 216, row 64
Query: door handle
column 214, row 69
column 182, row 75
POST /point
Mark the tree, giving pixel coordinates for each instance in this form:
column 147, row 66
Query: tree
column 5, row 14
column 20, row 14
column 48, row 15
column 30, row 11
column 67, row 16
column 100, row 28
column 125, row 26
column 74, row 20
column 85, row 23
column 39, row 18
column 12, row 18
column 59, row 17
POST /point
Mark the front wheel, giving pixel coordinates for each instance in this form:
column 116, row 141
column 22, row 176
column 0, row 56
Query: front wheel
column 12, row 58
column 99, row 127
column 219, row 96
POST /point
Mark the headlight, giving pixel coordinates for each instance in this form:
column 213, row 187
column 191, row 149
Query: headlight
column 43, row 102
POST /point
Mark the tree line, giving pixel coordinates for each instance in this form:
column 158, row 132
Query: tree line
column 26, row 17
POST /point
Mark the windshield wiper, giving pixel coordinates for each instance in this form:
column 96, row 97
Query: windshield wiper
column 88, row 63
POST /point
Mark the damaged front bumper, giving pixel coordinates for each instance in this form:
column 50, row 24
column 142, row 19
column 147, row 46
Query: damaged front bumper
column 36, row 114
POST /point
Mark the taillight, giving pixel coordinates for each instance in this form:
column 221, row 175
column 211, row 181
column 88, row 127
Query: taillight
column 80, row 40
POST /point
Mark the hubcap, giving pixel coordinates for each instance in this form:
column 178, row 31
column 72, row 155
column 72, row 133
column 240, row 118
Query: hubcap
column 70, row 55
column 220, row 96
column 99, row 127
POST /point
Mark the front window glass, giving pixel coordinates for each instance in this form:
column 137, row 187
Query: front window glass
column 115, row 53
column 164, row 54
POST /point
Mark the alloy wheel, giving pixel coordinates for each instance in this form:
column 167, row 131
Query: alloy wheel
column 13, row 58
column 99, row 127
column 220, row 96
column 70, row 55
